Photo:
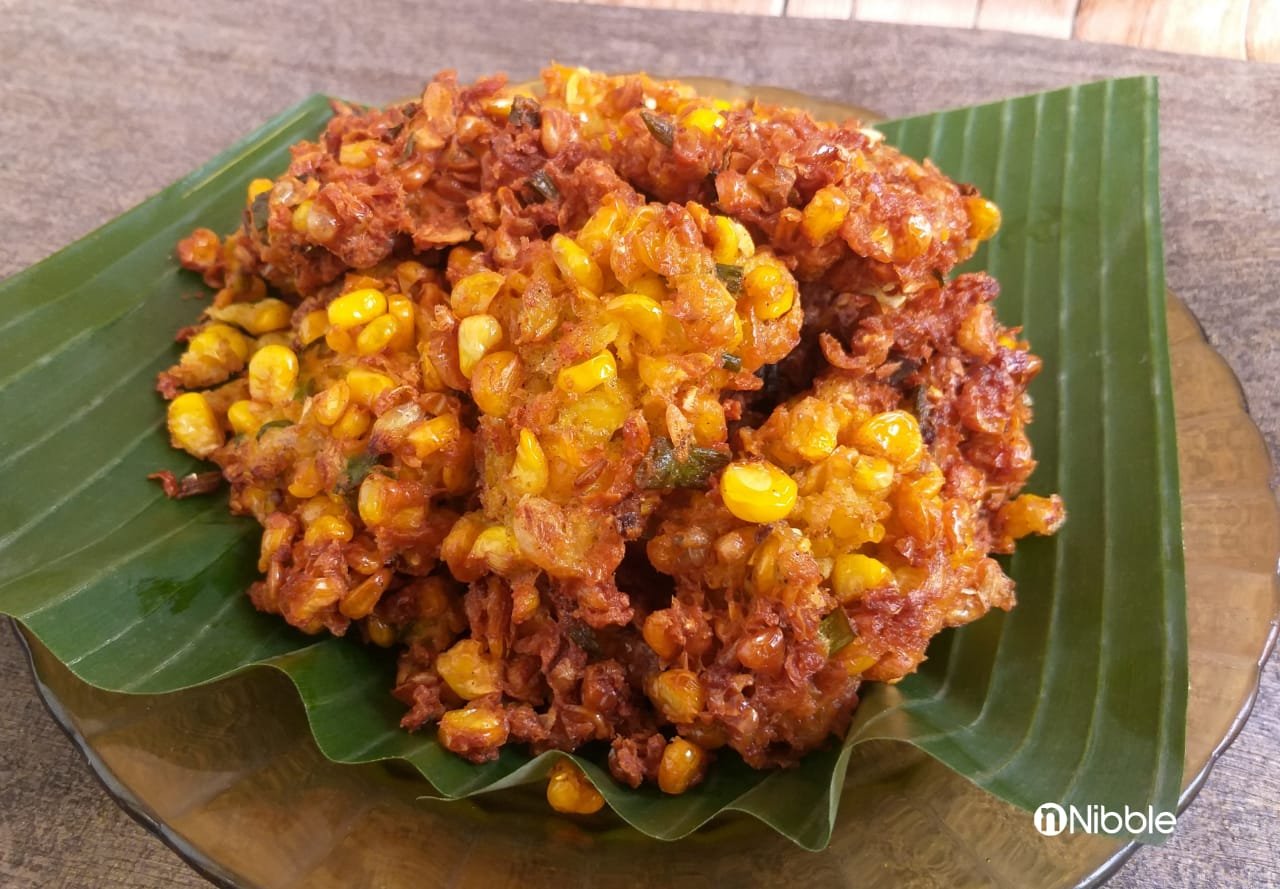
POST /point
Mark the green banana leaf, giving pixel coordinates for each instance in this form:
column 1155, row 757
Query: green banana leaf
column 1077, row 696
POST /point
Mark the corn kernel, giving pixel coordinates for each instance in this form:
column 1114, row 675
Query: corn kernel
column 374, row 500
column 381, row 633
column 470, row 728
column 872, row 475
column 757, row 492
column 649, row 285
column 569, row 791
column 301, row 214
column 473, row 294
column 275, row 536
column 359, row 602
column 244, row 417
column 354, row 423
column 597, row 233
column 327, row 407
column 496, row 547
column 575, row 265
column 683, row 765
column 659, row 635
column 641, row 313
column 306, row 481
column 678, row 695
column 589, row 374
column 854, row 574
column 259, row 186
column 529, row 471
column 770, row 290
column 193, row 426
column 366, row 385
column 732, row 241
column 984, row 217
column 273, row 374
column 477, row 334
column 359, row 155
column 494, row 381
column 1029, row 514
column 455, row 549
column 328, row 527
column 377, row 335
column 221, row 343
column 429, row 436
column 468, row 670
column 894, row 435
column 357, row 307
column 824, row 214
column 705, row 120
column 402, row 309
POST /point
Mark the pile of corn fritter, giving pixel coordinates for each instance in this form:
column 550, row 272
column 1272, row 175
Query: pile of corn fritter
column 623, row 414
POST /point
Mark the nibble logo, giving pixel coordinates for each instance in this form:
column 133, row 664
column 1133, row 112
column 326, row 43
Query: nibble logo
column 1052, row 819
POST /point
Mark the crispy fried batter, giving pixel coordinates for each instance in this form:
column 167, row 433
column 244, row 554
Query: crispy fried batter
column 625, row 414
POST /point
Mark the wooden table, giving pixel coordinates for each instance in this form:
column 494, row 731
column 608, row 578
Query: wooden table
column 100, row 107
column 1229, row 29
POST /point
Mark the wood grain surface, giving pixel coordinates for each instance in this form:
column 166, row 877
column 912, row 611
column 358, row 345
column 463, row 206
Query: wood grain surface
column 1232, row 29
column 101, row 107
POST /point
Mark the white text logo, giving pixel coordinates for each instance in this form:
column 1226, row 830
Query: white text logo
column 1052, row 819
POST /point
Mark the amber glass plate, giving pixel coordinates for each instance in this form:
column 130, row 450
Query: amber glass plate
column 229, row 776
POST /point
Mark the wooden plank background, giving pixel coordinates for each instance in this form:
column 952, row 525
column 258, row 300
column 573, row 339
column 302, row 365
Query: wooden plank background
column 1231, row 29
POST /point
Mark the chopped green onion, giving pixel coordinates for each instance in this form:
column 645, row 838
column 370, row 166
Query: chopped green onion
column 272, row 424
column 662, row 129
column 542, row 184
column 260, row 212
column 730, row 276
column 663, row 468
column 837, row 632
column 358, row 467
column 731, row 362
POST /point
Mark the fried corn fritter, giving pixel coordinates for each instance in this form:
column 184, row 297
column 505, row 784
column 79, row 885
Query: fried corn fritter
column 621, row 413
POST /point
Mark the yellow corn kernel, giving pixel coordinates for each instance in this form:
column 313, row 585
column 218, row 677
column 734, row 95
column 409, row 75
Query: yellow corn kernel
column 193, row 426
column 496, row 547
column 587, row 375
column 359, row 155
column 328, row 527
column 259, row 186
column 872, row 475
column 705, row 120
column 575, row 265
column 468, row 670
column 313, row 326
column 477, row 334
column 301, row 214
column 757, row 492
column 374, row 500
column 649, row 285
column 401, row 308
column 894, row 435
column 658, row 634
column 984, row 217
column 814, row 430
column 357, row 307
column 381, row 633
column 244, row 417
column 770, row 290
column 354, row 423
column 306, row 482
column 732, row 241
column 273, row 374
column 824, row 214
column 327, row 407
column 1030, row 514
column 678, row 695
column 682, row 765
column 641, row 313
column 377, row 335
column 472, row 295
column 472, row 727
column 360, row 601
column 529, row 471
column 366, row 385
column 219, row 342
column 660, row 374
column 494, row 380
column 597, row 233
column 854, row 574
column 429, row 436
column 569, row 791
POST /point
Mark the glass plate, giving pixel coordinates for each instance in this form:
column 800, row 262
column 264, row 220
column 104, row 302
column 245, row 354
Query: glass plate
column 229, row 776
